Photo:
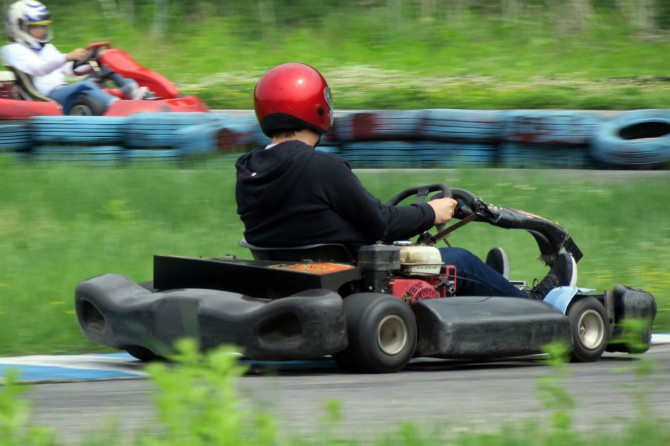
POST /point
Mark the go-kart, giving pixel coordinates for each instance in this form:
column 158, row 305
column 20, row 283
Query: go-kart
column 20, row 99
column 372, row 311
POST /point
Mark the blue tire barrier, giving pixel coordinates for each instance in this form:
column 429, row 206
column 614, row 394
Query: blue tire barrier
column 88, row 130
column 14, row 136
column 230, row 135
column 236, row 132
column 378, row 125
column 450, row 155
column 518, row 155
column 87, row 155
column 156, row 130
column 451, row 125
column 549, row 127
column 639, row 138
column 382, row 154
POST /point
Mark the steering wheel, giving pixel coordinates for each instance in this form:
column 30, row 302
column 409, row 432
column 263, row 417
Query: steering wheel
column 93, row 52
column 422, row 193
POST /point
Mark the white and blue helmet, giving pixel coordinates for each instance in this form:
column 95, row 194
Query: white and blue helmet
column 21, row 15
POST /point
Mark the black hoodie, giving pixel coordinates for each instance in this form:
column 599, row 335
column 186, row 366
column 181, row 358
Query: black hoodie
column 291, row 194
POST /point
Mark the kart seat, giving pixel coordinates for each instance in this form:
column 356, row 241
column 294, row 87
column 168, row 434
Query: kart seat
column 320, row 252
column 26, row 88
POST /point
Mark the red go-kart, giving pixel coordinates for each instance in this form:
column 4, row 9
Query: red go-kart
column 20, row 99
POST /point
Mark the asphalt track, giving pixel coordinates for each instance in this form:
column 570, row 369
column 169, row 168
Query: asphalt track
column 80, row 395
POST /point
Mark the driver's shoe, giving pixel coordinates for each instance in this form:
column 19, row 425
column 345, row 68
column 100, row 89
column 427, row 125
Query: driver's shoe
column 497, row 259
column 139, row 93
column 563, row 272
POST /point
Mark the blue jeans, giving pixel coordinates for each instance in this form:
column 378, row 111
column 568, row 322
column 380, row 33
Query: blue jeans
column 476, row 278
column 66, row 93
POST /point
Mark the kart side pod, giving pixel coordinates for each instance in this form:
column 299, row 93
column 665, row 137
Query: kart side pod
column 487, row 327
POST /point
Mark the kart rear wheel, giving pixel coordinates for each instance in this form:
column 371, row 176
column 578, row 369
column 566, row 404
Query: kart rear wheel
column 382, row 334
column 85, row 106
column 589, row 326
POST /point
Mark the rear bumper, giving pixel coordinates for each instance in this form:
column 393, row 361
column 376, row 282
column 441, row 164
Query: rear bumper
column 115, row 311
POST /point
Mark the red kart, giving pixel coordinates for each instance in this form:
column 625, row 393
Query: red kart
column 19, row 99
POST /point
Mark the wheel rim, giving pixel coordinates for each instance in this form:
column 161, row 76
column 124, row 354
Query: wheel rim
column 80, row 110
column 591, row 329
column 392, row 335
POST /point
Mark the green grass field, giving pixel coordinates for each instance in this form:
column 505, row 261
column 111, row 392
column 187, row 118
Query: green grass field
column 472, row 56
column 62, row 224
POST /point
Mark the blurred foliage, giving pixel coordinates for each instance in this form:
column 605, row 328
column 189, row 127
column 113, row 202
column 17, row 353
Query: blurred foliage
column 505, row 54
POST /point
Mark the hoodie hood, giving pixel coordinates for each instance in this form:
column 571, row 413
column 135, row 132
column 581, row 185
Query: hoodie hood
column 267, row 175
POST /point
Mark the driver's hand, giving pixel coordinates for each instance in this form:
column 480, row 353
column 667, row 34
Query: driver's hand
column 77, row 54
column 444, row 209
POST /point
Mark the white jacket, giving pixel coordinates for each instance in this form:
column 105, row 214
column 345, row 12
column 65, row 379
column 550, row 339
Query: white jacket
column 47, row 67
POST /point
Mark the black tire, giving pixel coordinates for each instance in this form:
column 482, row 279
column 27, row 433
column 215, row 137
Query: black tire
column 141, row 353
column 589, row 326
column 85, row 106
column 382, row 334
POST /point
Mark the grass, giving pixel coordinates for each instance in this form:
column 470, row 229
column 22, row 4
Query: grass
column 477, row 61
column 61, row 224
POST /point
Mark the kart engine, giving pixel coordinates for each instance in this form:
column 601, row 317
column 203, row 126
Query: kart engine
column 408, row 272
column 416, row 272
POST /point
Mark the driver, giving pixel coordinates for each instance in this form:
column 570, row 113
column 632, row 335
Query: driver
column 29, row 29
column 289, row 194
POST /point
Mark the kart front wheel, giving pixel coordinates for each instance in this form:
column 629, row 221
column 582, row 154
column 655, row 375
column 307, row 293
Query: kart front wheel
column 382, row 334
column 589, row 326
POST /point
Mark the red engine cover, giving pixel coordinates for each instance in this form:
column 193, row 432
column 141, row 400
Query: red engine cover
column 411, row 290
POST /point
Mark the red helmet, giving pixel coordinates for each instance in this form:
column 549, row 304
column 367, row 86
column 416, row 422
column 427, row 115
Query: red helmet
column 293, row 96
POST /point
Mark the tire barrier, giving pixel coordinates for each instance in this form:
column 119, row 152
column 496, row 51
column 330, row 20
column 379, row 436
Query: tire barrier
column 549, row 127
column 431, row 154
column 382, row 154
column 170, row 136
column 381, row 125
column 14, row 136
column 93, row 140
column 469, row 126
column 545, row 138
column 78, row 130
column 441, row 138
column 637, row 139
column 157, row 130
column 451, row 155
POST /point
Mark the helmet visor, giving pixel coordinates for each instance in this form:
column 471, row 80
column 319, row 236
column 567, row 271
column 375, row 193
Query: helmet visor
column 329, row 100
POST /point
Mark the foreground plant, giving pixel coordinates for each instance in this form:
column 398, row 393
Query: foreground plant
column 16, row 427
column 197, row 401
